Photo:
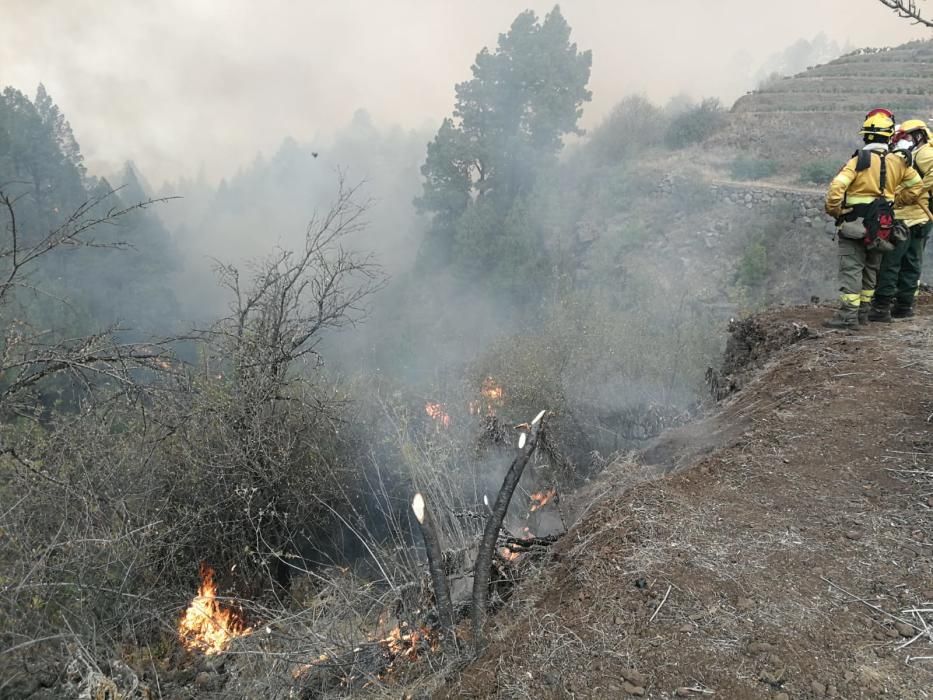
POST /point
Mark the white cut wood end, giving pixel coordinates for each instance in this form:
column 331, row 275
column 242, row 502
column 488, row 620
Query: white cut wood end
column 521, row 440
column 417, row 505
column 538, row 417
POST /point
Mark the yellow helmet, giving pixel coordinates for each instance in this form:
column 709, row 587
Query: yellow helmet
column 913, row 125
column 879, row 124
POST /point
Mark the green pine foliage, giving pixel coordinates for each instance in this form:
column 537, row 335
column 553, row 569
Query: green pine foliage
column 507, row 128
column 124, row 279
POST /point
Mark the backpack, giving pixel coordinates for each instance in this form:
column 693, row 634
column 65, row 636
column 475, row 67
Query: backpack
column 878, row 216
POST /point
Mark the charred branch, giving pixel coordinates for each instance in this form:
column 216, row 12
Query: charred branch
column 487, row 545
column 526, row 543
column 432, row 546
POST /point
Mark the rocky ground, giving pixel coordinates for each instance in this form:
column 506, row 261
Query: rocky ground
column 785, row 550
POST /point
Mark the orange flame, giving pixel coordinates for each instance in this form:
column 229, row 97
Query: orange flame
column 508, row 554
column 539, row 499
column 437, row 413
column 491, row 391
column 493, row 396
column 401, row 642
column 405, row 642
column 207, row 626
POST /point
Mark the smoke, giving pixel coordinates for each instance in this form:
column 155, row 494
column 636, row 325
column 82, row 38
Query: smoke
column 179, row 86
column 251, row 115
column 268, row 204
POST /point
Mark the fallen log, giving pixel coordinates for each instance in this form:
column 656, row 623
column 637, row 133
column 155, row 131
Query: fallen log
column 530, row 542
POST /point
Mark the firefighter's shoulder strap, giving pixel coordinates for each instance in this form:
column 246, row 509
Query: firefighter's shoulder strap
column 863, row 162
column 884, row 173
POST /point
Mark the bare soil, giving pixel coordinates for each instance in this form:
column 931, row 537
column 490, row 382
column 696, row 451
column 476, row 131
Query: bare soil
column 776, row 553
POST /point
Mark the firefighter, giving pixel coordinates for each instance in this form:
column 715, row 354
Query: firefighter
column 860, row 199
column 899, row 276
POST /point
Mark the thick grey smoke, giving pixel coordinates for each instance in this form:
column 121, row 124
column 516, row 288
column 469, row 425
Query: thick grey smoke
column 175, row 85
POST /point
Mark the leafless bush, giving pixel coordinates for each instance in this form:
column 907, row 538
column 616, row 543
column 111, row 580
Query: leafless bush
column 68, row 486
column 109, row 502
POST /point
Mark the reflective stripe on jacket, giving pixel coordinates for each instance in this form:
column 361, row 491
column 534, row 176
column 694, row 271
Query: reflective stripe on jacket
column 902, row 185
column 912, row 214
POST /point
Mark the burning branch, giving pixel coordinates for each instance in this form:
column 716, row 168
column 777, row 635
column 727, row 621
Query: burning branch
column 436, row 564
column 491, row 532
column 438, row 413
column 908, row 10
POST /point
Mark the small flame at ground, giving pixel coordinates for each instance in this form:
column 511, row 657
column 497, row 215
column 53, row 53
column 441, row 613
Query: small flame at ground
column 493, row 396
column 207, row 625
column 401, row 641
column 508, row 554
column 492, row 391
column 539, row 499
column 437, row 413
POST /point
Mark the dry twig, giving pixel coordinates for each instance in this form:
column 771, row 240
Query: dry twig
column 663, row 601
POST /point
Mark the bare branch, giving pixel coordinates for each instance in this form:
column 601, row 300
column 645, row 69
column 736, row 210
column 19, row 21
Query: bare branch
column 70, row 233
column 908, row 10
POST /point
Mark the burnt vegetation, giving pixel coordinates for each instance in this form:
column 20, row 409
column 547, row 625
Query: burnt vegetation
column 175, row 452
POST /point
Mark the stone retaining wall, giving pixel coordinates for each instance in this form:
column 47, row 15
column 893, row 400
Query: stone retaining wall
column 805, row 207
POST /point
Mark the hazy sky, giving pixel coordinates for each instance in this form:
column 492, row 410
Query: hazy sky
column 174, row 84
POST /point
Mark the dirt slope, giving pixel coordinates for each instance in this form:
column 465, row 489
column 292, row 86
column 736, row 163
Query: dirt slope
column 736, row 575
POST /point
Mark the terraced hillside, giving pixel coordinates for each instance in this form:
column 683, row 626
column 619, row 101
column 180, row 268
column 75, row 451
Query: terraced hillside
column 816, row 113
column 901, row 78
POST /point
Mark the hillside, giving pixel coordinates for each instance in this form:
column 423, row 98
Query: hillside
column 812, row 118
column 779, row 554
column 760, row 533
column 901, row 78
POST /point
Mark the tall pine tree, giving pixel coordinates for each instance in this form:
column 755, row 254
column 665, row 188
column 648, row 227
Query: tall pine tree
column 507, row 127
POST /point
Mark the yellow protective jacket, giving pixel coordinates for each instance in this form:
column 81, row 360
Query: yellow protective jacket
column 913, row 214
column 902, row 184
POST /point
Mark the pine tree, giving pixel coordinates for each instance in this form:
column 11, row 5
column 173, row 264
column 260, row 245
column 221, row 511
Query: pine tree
column 508, row 126
column 59, row 128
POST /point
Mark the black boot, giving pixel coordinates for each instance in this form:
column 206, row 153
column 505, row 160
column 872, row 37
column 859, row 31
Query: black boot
column 863, row 312
column 838, row 321
column 902, row 310
column 880, row 311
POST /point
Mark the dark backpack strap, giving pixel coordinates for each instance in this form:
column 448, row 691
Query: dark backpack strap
column 884, row 173
column 864, row 160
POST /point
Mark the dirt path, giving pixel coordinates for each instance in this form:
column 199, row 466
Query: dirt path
column 765, row 185
column 738, row 574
